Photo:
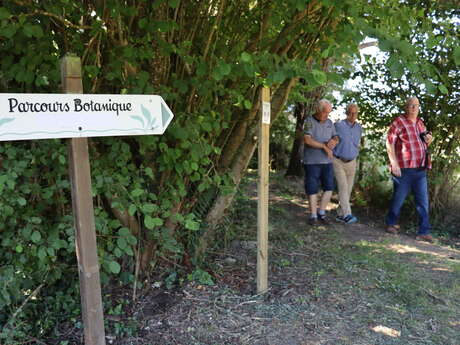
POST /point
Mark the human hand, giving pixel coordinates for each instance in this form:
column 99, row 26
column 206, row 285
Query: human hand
column 328, row 151
column 396, row 170
column 428, row 138
column 332, row 143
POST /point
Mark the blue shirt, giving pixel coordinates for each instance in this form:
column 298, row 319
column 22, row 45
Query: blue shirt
column 350, row 137
column 321, row 132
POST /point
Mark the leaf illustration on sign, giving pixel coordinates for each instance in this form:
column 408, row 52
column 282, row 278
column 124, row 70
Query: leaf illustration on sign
column 148, row 116
column 6, row 120
column 138, row 118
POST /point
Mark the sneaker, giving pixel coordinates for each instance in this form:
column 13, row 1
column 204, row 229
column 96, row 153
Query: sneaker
column 350, row 219
column 323, row 219
column 313, row 221
column 425, row 238
column 340, row 219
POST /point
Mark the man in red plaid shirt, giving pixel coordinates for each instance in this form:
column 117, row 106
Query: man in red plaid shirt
column 407, row 146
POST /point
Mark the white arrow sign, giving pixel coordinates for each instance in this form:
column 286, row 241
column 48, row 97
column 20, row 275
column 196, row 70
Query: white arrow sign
column 43, row 116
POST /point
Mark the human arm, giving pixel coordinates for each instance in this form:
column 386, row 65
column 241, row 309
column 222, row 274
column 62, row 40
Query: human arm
column 309, row 141
column 335, row 138
column 332, row 143
column 394, row 165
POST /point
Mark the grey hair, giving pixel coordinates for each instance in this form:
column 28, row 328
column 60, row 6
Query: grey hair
column 408, row 101
column 321, row 104
column 351, row 105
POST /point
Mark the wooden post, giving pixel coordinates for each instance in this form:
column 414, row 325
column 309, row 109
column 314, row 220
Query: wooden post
column 82, row 202
column 262, row 206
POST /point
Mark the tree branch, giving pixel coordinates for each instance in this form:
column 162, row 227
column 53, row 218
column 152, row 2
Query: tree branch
column 52, row 15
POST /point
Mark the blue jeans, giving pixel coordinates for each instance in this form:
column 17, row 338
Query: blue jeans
column 411, row 180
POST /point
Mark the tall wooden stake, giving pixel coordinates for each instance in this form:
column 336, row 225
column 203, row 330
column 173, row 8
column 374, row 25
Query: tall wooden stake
column 262, row 206
column 82, row 202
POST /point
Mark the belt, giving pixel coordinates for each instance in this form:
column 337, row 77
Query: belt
column 413, row 169
column 343, row 160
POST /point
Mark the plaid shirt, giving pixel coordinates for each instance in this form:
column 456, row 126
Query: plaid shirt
column 410, row 149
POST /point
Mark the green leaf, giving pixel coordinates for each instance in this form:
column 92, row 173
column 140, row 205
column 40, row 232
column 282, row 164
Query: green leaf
column 149, row 172
column 278, row 77
column 385, row 45
column 124, row 232
column 192, row 225
column 37, row 31
column 207, row 126
column 117, row 252
column 137, row 192
column 457, row 55
column 121, row 243
column 132, row 209
column 114, row 267
column 22, row 201
column 36, row 237
column 35, row 220
column 431, row 42
column 149, row 208
column 247, row 104
column 319, row 76
column 245, row 57
column 19, row 248
column 41, row 253
column 395, row 66
column 430, row 87
column 201, row 69
column 225, row 68
column 202, row 277
column 4, row 13
column 131, row 240
column 9, row 31
column 443, row 89
column 151, row 223
column 50, row 251
column 28, row 30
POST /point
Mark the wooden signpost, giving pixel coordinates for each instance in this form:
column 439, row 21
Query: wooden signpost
column 85, row 230
column 77, row 116
column 262, row 205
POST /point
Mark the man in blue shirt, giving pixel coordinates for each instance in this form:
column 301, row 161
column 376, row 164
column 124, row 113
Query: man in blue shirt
column 344, row 161
column 320, row 139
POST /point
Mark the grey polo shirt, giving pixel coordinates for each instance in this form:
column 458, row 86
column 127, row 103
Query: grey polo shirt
column 350, row 137
column 321, row 132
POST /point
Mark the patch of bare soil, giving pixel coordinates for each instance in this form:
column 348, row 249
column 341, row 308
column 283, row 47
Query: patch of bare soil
column 316, row 296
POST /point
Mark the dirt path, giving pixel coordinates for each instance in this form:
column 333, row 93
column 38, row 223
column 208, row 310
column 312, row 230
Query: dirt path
column 328, row 285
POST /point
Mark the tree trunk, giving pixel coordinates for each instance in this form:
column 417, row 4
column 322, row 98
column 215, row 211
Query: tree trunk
column 302, row 110
column 295, row 161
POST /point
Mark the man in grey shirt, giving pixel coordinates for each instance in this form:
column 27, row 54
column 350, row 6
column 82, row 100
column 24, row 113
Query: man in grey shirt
column 320, row 138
